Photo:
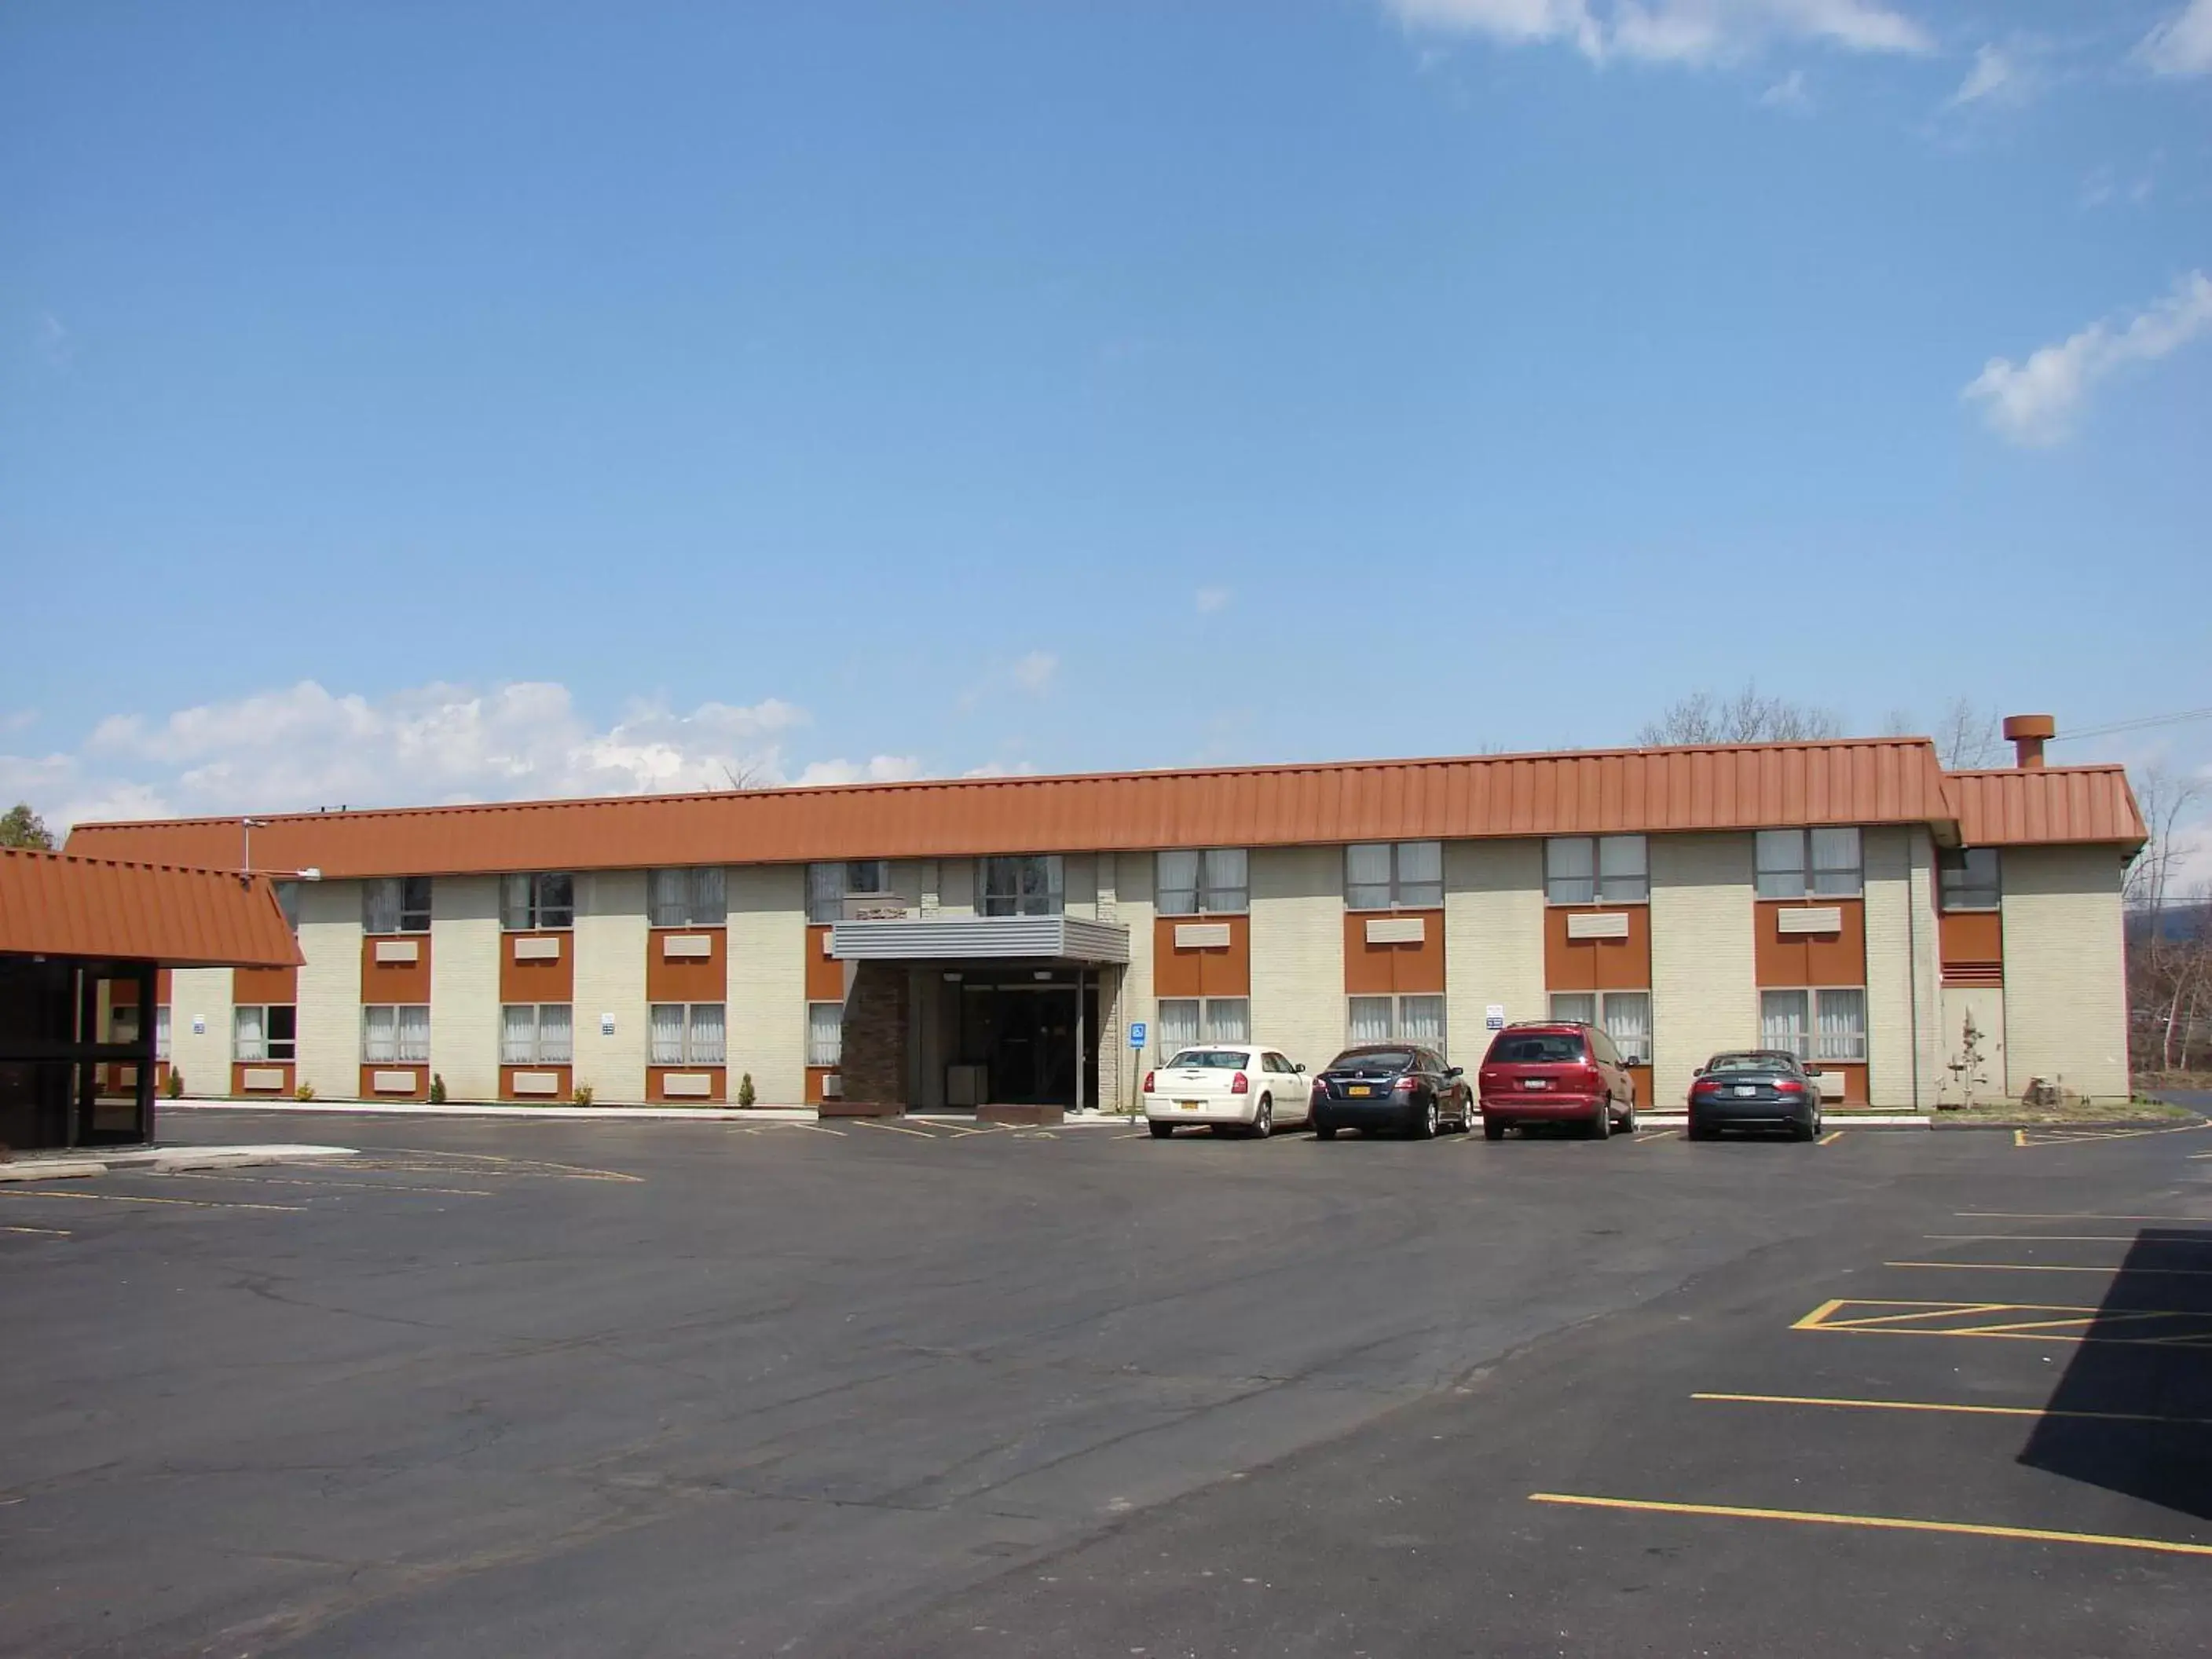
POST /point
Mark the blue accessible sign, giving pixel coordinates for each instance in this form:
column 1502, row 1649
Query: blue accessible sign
column 1137, row 1034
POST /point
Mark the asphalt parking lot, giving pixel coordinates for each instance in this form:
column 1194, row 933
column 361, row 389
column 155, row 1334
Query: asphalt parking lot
column 603, row 1388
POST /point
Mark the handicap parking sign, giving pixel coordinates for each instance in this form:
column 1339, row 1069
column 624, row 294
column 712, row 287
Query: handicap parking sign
column 1137, row 1034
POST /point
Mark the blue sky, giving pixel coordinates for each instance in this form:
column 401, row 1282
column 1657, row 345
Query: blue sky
column 413, row 402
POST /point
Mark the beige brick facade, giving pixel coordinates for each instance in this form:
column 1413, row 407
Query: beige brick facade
column 464, row 985
column 1903, row 970
column 768, row 980
column 1705, row 994
column 329, row 1015
column 1494, row 940
column 200, row 997
column 1297, row 951
column 1986, row 1006
column 2065, row 1013
column 611, row 943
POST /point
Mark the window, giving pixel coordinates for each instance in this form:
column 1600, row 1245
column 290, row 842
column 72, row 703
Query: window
column 160, row 1033
column 529, row 903
column 1596, row 870
column 1384, row 875
column 829, row 886
column 1396, row 1019
column 1180, row 1021
column 1970, row 879
column 288, row 901
column 825, row 1033
column 1815, row 1025
column 1795, row 864
column 536, row 1034
column 1028, row 886
column 396, row 904
column 686, row 1033
column 395, row 1036
column 687, row 898
column 1213, row 882
column 266, row 1033
column 1623, row 1016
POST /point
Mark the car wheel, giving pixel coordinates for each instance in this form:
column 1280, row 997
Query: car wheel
column 1263, row 1120
column 1600, row 1126
column 1424, row 1127
column 1628, row 1119
column 1807, row 1129
column 1467, row 1115
column 1492, row 1129
column 1324, row 1131
column 1162, row 1131
column 1697, row 1131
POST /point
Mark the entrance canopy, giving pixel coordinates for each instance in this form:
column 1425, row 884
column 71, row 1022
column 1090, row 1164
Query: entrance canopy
column 982, row 938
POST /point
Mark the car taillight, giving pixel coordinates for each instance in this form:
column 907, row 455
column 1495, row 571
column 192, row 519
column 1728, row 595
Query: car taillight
column 1704, row 1086
column 1590, row 1080
column 1788, row 1085
column 1490, row 1079
column 1148, row 1083
column 1240, row 1084
column 1404, row 1085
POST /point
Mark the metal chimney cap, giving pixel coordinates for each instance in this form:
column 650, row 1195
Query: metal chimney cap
column 2017, row 726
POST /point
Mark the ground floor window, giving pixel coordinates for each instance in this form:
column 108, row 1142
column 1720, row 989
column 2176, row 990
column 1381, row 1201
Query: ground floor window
column 265, row 1032
column 395, row 1035
column 825, row 1033
column 1185, row 1022
column 536, row 1034
column 1815, row 1024
column 687, row 1034
column 1624, row 1016
column 1396, row 1019
column 160, row 1033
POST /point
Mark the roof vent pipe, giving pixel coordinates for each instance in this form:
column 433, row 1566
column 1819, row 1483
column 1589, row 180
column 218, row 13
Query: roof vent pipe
column 2027, row 734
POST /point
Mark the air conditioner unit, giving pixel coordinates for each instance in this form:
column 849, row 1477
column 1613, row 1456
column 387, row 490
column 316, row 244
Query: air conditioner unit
column 833, row 1087
column 965, row 1086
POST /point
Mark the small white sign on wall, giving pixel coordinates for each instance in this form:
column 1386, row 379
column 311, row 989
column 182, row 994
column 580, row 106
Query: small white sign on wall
column 606, row 1024
column 1493, row 1017
column 199, row 1024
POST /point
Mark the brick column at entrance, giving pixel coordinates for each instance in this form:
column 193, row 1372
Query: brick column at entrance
column 874, row 1061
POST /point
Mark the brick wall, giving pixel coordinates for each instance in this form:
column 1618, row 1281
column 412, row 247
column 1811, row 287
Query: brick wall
column 874, row 1066
column 465, row 940
column 1494, row 940
column 611, row 942
column 2065, row 1015
column 1297, row 951
column 330, row 988
column 1705, row 996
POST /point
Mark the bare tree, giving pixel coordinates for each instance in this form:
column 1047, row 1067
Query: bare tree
column 746, row 774
column 2170, row 944
column 1967, row 737
column 1745, row 717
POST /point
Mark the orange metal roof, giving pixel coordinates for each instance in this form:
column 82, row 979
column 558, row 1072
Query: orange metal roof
column 2029, row 805
column 1856, row 780
column 55, row 904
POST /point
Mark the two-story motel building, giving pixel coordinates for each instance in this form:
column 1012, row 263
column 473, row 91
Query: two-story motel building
column 936, row 944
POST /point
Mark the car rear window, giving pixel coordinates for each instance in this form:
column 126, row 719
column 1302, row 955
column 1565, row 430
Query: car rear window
column 1537, row 1049
column 1748, row 1062
column 1213, row 1060
column 1374, row 1062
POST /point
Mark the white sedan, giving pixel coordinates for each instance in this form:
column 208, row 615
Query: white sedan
column 1226, row 1085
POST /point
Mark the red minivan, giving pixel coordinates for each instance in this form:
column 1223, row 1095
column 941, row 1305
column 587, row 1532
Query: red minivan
column 1555, row 1072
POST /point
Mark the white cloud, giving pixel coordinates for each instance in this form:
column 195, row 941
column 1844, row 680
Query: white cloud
column 1001, row 769
column 1672, row 31
column 2035, row 402
column 1788, row 93
column 303, row 746
column 1211, row 600
column 1033, row 673
column 1994, row 74
column 2182, row 45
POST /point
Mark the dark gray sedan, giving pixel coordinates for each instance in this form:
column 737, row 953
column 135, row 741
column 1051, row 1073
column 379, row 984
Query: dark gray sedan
column 1756, row 1088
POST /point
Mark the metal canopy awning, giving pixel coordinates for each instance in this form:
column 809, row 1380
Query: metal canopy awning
column 971, row 938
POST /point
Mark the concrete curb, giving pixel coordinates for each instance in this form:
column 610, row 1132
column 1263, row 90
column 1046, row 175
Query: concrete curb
column 166, row 1160
column 50, row 1169
column 1829, row 1120
column 554, row 1113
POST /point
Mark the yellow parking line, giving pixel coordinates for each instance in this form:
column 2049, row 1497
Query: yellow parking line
column 188, row 1203
column 2059, row 1238
column 818, row 1129
column 897, row 1129
column 1877, row 1523
column 50, row 1232
column 1944, row 1406
column 364, row 1186
column 2053, row 1267
column 1832, row 1137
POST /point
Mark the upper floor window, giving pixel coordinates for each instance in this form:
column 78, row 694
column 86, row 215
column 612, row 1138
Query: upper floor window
column 396, row 904
column 1380, row 875
column 1596, row 870
column 527, row 904
column 829, row 886
column 1970, row 879
column 288, row 901
column 687, row 898
column 1795, row 864
column 1213, row 882
column 1028, row 886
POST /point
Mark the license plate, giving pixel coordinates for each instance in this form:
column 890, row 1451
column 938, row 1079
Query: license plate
column 1360, row 1089
column 1534, row 1083
column 1191, row 1105
column 1747, row 1089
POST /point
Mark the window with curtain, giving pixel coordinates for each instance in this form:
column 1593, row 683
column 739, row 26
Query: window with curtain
column 1823, row 863
column 825, row 1033
column 379, row 1035
column 1970, row 879
column 160, row 1033
column 687, row 898
column 1031, row 886
column 829, row 886
column 1212, row 882
column 1783, row 1022
column 396, row 904
column 537, row 903
column 1421, row 1019
column 1382, row 875
column 415, row 1034
column 1228, row 1019
column 536, row 1034
column 1175, row 1023
column 1836, row 867
column 1370, row 1020
column 1395, row 1019
column 1596, row 870
column 1574, row 1007
column 1839, row 1024
column 1628, row 1023
column 1781, row 865
column 685, row 1034
column 264, row 1033
column 665, row 1034
column 1623, row 870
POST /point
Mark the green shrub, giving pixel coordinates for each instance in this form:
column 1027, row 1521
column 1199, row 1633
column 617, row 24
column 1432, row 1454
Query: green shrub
column 582, row 1096
column 745, row 1096
column 175, row 1086
column 305, row 1091
column 437, row 1088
